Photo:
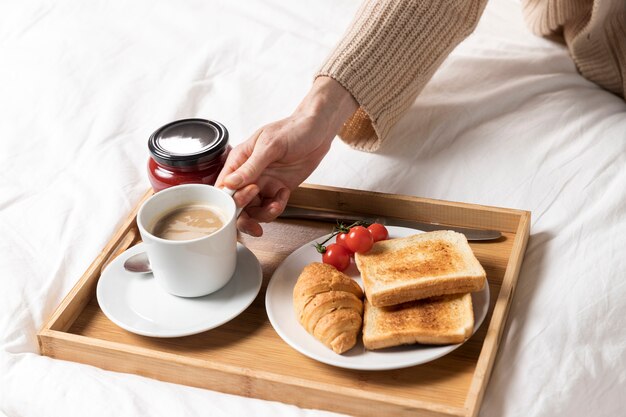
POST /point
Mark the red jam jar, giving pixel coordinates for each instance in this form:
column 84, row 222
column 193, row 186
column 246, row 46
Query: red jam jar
column 188, row 151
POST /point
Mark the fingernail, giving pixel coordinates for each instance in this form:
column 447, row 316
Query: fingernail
column 233, row 180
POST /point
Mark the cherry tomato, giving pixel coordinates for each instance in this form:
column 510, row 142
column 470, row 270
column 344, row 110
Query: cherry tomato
column 378, row 231
column 359, row 239
column 341, row 240
column 337, row 256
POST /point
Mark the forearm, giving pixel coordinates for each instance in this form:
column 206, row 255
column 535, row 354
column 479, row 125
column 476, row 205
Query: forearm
column 329, row 102
column 389, row 53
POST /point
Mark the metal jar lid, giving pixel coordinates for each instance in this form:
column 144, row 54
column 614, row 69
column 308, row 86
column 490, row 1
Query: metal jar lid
column 188, row 142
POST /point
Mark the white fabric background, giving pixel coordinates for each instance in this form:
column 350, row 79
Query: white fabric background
column 507, row 121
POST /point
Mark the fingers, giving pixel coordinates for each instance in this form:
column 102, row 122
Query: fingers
column 237, row 156
column 270, row 208
column 248, row 164
column 249, row 226
column 245, row 195
column 262, row 210
column 263, row 200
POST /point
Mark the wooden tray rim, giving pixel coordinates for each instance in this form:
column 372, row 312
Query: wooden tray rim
column 55, row 328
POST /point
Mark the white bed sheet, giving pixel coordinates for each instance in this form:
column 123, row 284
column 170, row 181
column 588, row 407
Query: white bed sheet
column 507, row 121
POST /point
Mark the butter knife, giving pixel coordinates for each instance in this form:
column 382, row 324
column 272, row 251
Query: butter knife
column 333, row 217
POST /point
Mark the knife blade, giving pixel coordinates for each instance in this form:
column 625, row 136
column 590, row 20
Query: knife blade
column 334, row 217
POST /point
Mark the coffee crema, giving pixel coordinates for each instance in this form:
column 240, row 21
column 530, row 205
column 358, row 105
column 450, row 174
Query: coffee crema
column 187, row 222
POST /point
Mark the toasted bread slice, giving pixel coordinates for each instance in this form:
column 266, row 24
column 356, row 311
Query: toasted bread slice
column 420, row 266
column 433, row 321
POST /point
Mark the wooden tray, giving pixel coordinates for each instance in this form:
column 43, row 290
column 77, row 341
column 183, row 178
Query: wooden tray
column 246, row 357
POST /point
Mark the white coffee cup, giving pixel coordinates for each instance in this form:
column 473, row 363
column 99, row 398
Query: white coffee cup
column 197, row 267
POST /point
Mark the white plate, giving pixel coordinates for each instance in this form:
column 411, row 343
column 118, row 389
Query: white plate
column 279, row 305
column 135, row 302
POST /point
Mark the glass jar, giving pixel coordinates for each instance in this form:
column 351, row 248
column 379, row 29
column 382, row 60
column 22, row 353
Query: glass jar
column 188, row 151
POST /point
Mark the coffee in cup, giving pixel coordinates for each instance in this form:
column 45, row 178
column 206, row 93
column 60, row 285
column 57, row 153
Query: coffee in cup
column 188, row 222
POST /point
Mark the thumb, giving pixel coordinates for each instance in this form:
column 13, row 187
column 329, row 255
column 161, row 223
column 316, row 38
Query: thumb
column 250, row 171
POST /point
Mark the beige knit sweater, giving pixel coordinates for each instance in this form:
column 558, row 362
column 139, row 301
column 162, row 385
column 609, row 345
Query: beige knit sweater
column 393, row 47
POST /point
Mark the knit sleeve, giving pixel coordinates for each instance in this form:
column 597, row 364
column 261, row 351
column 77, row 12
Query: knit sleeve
column 389, row 52
column 594, row 32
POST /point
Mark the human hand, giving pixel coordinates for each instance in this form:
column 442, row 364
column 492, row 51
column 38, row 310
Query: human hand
column 281, row 155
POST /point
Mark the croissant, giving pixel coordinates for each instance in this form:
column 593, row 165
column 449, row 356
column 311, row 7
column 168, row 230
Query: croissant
column 329, row 305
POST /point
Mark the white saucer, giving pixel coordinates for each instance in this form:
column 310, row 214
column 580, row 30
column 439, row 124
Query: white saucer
column 135, row 302
column 279, row 306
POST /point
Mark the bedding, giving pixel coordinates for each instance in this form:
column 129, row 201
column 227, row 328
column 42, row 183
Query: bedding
column 506, row 121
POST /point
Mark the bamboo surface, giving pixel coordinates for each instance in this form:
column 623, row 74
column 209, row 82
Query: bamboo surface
column 246, row 357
